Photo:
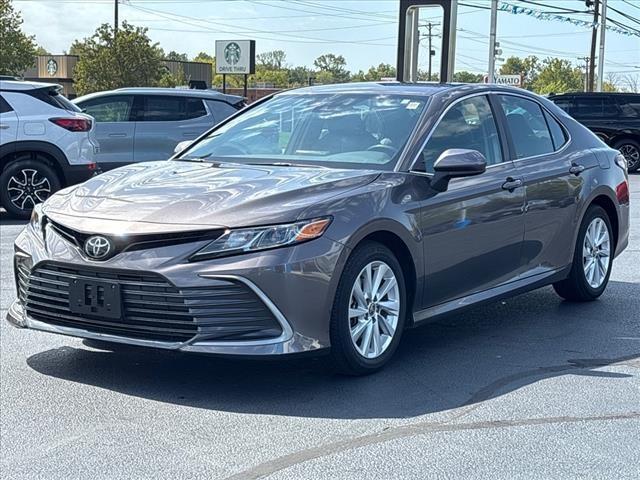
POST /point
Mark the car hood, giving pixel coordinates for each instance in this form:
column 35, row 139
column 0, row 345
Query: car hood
column 178, row 195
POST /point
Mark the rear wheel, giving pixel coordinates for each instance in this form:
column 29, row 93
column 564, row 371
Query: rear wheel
column 592, row 259
column 369, row 311
column 26, row 182
column 630, row 150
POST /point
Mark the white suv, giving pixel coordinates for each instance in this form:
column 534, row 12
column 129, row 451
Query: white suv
column 46, row 143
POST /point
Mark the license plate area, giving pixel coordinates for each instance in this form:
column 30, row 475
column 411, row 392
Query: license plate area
column 95, row 298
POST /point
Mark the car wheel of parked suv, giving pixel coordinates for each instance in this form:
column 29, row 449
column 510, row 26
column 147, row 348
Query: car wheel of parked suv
column 591, row 260
column 26, row 182
column 630, row 149
column 369, row 311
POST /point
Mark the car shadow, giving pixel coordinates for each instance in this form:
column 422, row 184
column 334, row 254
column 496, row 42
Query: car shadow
column 7, row 219
column 480, row 354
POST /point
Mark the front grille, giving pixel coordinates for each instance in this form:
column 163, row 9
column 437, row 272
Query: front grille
column 152, row 307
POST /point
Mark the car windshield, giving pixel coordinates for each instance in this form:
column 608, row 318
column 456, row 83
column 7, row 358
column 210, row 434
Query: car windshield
column 348, row 130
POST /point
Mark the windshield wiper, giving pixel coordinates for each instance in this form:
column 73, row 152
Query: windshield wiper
column 285, row 164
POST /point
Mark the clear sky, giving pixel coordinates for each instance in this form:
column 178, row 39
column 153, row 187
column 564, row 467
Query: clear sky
column 364, row 31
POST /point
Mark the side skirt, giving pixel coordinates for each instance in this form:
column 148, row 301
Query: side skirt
column 487, row 296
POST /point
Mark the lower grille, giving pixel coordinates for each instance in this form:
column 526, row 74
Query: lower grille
column 152, row 307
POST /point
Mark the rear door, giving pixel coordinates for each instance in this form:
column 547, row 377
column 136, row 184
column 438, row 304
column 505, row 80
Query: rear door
column 163, row 121
column 114, row 129
column 553, row 181
column 8, row 122
column 473, row 232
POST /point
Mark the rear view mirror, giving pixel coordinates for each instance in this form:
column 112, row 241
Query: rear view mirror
column 454, row 163
column 182, row 146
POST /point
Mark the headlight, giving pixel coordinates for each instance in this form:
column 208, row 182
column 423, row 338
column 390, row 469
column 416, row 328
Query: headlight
column 245, row 240
column 36, row 219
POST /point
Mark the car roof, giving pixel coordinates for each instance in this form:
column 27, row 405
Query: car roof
column 21, row 85
column 401, row 88
column 591, row 94
column 181, row 92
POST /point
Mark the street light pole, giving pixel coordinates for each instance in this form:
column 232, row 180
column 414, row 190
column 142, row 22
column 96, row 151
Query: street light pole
column 115, row 16
column 603, row 28
column 492, row 41
column 592, row 55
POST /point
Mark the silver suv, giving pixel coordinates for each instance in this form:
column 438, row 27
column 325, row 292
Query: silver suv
column 141, row 124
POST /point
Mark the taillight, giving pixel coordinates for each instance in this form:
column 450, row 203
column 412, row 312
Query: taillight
column 621, row 161
column 73, row 124
column 622, row 192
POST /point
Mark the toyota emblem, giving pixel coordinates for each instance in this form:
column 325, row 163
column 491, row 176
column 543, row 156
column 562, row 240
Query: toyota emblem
column 98, row 247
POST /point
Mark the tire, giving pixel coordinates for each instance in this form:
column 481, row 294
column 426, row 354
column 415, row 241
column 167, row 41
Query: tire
column 354, row 357
column 26, row 182
column 583, row 283
column 631, row 151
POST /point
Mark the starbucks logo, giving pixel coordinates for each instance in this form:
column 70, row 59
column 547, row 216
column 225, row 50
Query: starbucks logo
column 232, row 53
column 52, row 67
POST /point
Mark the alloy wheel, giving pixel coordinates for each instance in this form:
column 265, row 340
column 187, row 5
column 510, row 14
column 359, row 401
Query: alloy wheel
column 596, row 252
column 374, row 309
column 27, row 188
column 631, row 154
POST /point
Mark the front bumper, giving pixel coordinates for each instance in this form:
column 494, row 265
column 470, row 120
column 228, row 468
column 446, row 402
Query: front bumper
column 296, row 284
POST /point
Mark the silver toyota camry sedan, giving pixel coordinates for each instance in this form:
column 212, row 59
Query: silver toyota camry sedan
column 329, row 219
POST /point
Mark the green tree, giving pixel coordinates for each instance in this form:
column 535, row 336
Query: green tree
column 299, row 76
column 173, row 55
column 42, row 51
column 529, row 67
column 169, row 79
column 272, row 60
column 467, row 77
column 332, row 68
column 129, row 60
column 374, row 74
column 17, row 50
column 558, row 76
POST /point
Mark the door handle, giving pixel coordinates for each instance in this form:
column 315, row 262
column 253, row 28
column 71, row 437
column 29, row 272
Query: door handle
column 4, row 126
column 114, row 135
column 512, row 183
column 576, row 169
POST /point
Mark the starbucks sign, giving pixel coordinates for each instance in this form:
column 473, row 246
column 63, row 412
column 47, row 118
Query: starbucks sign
column 235, row 57
column 52, row 67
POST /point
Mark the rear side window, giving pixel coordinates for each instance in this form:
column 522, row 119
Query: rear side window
column 51, row 97
column 220, row 109
column 629, row 106
column 527, row 126
column 166, row 108
column 595, row 107
column 558, row 134
column 109, row 109
column 4, row 106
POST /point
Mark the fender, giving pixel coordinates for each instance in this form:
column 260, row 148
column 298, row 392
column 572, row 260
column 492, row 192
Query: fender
column 34, row 146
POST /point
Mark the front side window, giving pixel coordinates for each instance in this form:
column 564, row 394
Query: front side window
column 4, row 106
column 629, row 106
column 333, row 130
column 527, row 126
column 468, row 124
column 109, row 109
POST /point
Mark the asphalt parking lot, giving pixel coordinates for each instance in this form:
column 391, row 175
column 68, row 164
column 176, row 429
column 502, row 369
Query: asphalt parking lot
column 531, row 387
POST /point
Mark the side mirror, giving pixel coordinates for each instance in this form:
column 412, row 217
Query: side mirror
column 455, row 163
column 182, row 146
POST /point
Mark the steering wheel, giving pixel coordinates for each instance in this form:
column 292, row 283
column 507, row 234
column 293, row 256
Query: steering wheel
column 388, row 149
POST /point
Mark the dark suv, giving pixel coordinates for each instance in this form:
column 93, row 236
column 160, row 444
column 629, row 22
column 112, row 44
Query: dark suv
column 614, row 117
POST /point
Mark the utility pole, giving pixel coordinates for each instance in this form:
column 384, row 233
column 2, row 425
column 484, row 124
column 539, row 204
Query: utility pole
column 429, row 26
column 594, row 39
column 586, row 72
column 603, row 29
column 492, row 41
column 115, row 17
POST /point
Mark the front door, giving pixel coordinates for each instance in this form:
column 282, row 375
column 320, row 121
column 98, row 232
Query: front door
column 473, row 232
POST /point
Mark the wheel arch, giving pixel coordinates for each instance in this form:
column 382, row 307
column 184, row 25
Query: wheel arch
column 403, row 245
column 48, row 152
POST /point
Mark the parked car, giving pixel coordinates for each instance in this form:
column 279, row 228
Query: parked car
column 142, row 124
column 331, row 217
column 46, row 143
column 614, row 117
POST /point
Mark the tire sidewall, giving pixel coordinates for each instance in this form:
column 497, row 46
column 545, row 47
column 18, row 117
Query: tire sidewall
column 340, row 331
column 594, row 212
column 15, row 167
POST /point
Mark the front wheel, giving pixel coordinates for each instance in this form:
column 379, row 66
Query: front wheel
column 25, row 183
column 369, row 311
column 592, row 259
